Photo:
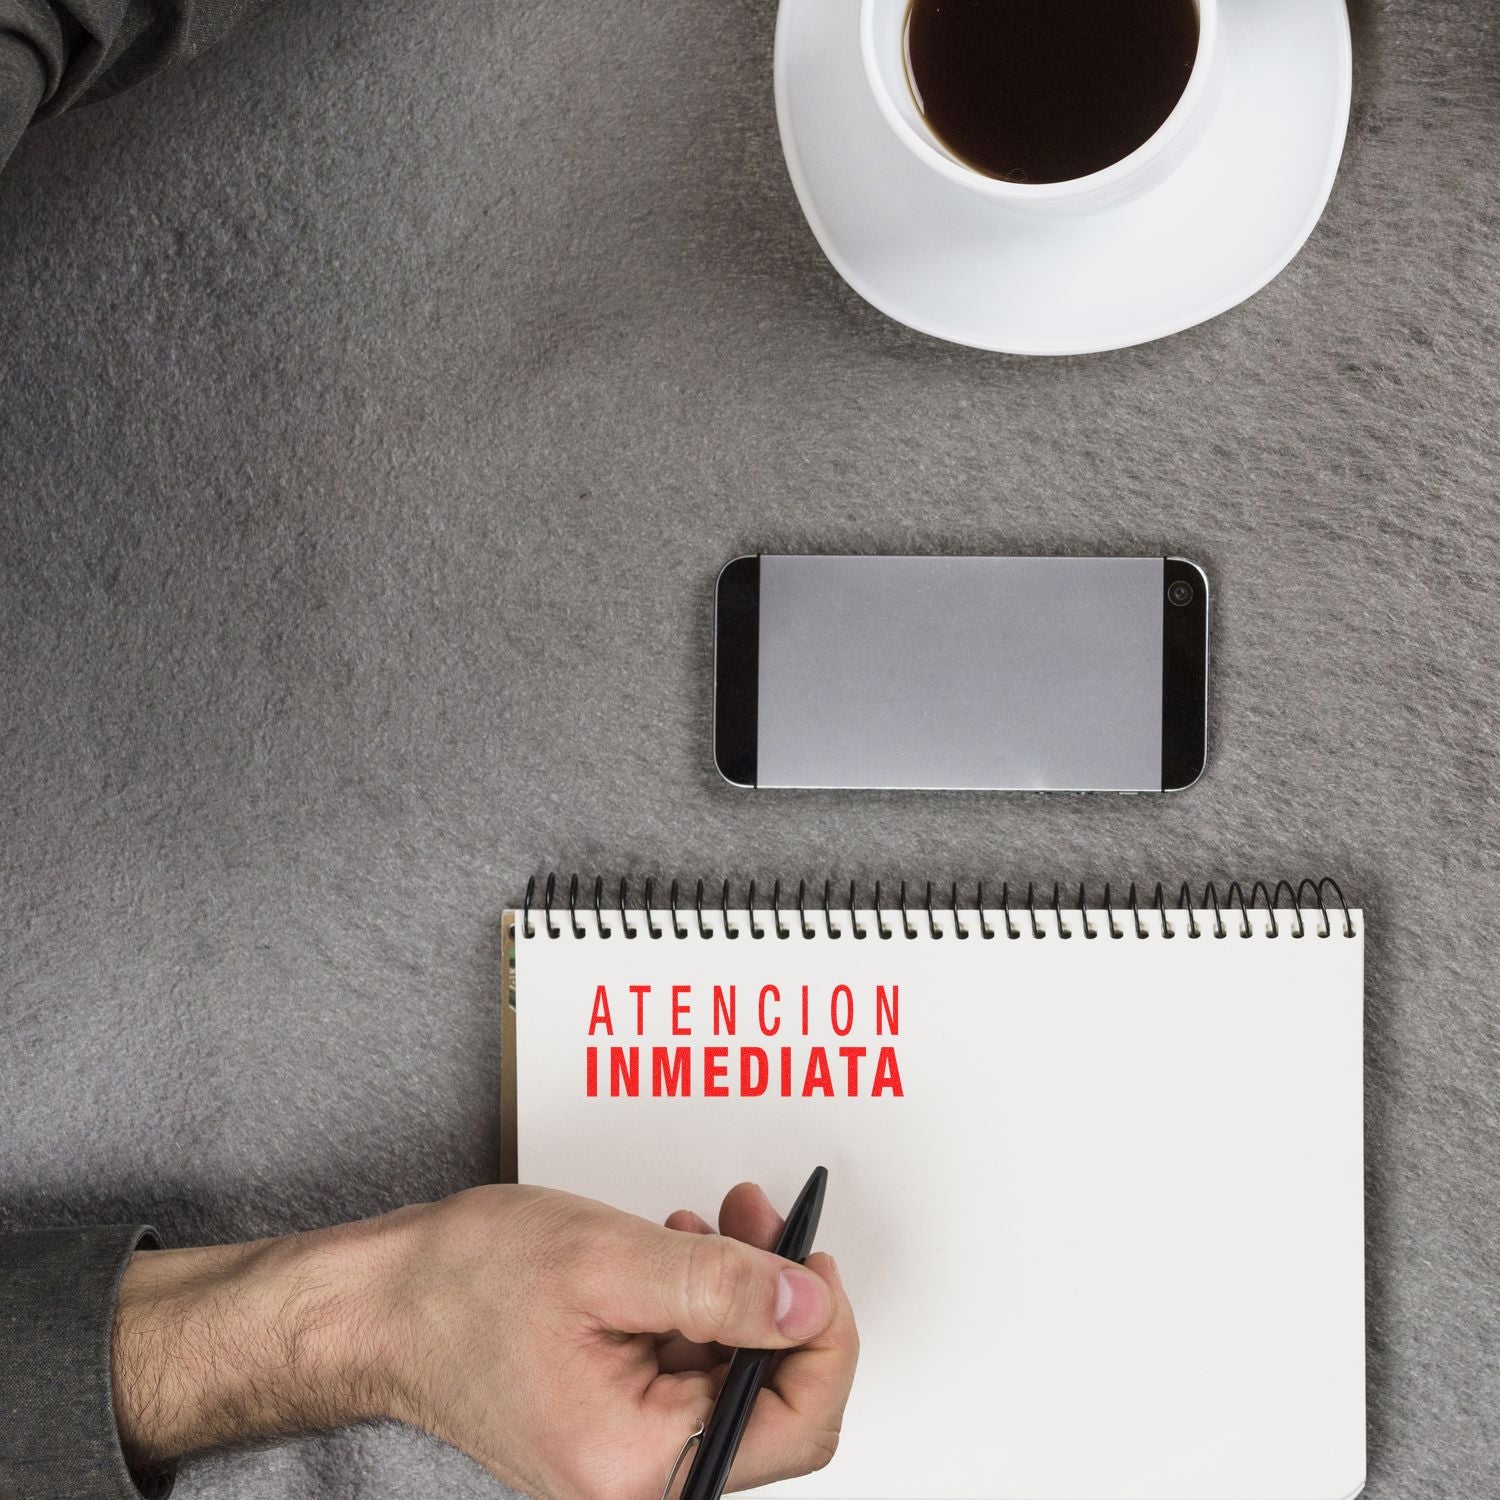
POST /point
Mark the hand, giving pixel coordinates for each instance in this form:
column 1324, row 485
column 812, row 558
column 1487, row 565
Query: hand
column 568, row 1347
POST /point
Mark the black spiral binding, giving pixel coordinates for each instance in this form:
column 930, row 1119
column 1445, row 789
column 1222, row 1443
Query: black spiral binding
column 1304, row 900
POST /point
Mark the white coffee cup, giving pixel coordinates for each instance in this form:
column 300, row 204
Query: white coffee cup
column 882, row 29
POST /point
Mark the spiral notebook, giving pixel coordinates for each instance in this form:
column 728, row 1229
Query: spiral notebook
column 1095, row 1171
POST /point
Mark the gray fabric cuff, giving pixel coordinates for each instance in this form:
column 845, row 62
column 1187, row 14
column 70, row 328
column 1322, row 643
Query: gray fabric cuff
column 57, row 1413
column 22, row 83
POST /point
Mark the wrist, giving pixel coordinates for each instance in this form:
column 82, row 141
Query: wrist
column 236, row 1343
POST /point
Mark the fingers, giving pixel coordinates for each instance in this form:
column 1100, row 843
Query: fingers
column 797, row 1416
column 711, row 1288
column 795, row 1425
column 675, row 1354
column 747, row 1214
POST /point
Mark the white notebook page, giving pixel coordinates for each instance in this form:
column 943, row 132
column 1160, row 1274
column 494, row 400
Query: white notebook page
column 1105, row 1242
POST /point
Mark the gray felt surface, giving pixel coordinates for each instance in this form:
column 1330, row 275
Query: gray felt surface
column 380, row 396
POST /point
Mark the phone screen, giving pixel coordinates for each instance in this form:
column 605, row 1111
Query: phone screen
column 1027, row 673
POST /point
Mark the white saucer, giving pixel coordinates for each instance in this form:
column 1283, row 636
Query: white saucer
column 947, row 262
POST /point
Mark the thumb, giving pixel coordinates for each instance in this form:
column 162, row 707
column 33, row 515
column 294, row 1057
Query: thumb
column 711, row 1289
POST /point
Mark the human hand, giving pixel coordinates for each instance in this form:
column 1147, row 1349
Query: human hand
column 568, row 1347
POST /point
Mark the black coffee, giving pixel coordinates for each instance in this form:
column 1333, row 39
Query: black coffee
column 1045, row 90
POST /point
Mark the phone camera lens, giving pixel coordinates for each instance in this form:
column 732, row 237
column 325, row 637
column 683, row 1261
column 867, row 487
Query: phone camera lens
column 1180, row 593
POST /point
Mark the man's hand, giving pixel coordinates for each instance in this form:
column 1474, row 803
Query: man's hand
column 568, row 1347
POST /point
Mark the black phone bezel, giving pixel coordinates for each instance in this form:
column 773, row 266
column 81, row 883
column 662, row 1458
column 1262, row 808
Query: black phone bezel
column 1185, row 639
column 737, row 670
column 1184, row 676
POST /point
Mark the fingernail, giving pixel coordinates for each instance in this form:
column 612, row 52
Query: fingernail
column 802, row 1305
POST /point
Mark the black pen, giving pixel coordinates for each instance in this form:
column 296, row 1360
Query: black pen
column 749, row 1367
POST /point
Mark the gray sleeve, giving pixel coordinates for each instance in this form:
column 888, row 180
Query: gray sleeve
column 22, row 84
column 57, row 53
column 57, row 1415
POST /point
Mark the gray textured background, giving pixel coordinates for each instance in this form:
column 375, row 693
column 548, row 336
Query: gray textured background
column 380, row 396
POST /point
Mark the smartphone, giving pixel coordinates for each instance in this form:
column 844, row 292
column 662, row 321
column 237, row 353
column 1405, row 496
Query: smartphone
column 1084, row 674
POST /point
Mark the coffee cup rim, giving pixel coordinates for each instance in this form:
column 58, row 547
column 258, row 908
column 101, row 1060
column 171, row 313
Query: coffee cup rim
column 924, row 143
